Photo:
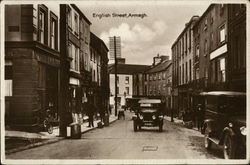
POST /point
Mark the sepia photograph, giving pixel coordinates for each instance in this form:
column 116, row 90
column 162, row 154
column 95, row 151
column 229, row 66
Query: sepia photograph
column 124, row 82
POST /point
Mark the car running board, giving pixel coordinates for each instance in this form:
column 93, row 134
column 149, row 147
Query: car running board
column 216, row 141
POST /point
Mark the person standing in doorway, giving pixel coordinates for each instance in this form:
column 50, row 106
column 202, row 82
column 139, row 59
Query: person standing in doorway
column 199, row 116
column 90, row 113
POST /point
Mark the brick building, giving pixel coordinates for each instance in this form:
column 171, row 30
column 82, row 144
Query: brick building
column 32, row 63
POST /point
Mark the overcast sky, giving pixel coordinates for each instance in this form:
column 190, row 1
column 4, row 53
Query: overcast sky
column 142, row 38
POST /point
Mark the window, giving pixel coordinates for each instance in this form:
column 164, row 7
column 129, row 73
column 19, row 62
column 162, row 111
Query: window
column 70, row 17
column 197, row 51
column 127, row 90
column 222, row 34
column 197, row 73
column 221, row 70
column 77, row 60
column 8, row 78
column 76, row 22
column 69, row 50
column 73, row 52
column 126, row 80
column 189, row 43
column 205, row 48
column 41, row 26
column 159, row 76
column 164, row 76
column 205, row 26
column 53, row 31
column 52, row 35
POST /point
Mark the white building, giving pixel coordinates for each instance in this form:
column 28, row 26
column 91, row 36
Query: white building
column 124, row 81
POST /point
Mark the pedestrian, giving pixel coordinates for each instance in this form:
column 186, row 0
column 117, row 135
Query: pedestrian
column 90, row 113
column 199, row 116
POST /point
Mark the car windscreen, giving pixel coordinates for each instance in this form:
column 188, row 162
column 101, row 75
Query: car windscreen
column 232, row 105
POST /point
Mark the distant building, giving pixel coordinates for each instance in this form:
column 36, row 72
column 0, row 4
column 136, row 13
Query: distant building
column 124, row 81
column 155, row 81
column 114, row 46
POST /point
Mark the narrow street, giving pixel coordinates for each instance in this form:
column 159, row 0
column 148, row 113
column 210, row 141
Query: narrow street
column 119, row 141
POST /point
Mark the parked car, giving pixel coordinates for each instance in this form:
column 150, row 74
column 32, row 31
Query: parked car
column 225, row 122
column 149, row 114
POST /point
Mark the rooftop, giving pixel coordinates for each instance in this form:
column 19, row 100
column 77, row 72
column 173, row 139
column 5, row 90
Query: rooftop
column 127, row 68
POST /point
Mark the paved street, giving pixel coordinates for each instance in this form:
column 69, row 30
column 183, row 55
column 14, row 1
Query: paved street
column 119, row 141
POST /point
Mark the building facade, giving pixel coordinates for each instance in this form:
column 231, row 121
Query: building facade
column 237, row 47
column 99, row 87
column 182, row 72
column 124, row 80
column 158, row 81
column 218, row 53
column 32, row 63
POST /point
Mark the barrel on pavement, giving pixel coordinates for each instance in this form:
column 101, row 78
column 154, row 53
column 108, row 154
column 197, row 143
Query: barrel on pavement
column 75, row 131
column 106, row 120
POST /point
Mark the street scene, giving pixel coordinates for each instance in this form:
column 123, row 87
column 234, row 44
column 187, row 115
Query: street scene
column 125, row 81
column 118, row 141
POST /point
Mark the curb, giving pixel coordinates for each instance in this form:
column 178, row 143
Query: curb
column 92, row 128
column 49, row 141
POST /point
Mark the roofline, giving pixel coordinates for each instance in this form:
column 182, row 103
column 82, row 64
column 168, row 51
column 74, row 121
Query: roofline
column 81, row 13
column 203, row 15
column 161, row 69
column 185, row 28
column 91, row 33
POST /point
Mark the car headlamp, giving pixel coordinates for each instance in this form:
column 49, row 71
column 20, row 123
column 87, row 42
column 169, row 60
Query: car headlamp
column 243, row 130
column 153, row 117
column 141, row 117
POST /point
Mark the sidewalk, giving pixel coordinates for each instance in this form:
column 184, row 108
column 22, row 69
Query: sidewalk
column 178, row 121
column 16, row 141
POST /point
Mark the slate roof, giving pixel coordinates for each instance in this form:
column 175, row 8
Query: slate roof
column 160, row 67
column 127, row 68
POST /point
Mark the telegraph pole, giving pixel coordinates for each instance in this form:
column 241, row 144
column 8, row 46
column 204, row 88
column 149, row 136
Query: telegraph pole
column 115, row 76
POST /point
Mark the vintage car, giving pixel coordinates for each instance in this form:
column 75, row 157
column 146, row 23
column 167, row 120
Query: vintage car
column 225, row 122
column 149, row 114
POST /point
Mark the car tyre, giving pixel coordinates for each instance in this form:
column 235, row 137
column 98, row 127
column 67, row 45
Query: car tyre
column 229, row 147
column 207, row 141
column 135, row 126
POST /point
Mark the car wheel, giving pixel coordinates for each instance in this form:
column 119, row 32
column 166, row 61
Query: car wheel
column 207, row 141
column 50, row 129
column 229, row 147
column 135, row 126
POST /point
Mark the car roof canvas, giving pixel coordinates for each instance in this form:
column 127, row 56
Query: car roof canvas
column 144, row 101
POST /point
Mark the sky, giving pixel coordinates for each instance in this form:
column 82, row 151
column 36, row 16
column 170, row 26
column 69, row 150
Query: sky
column 141, row 38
